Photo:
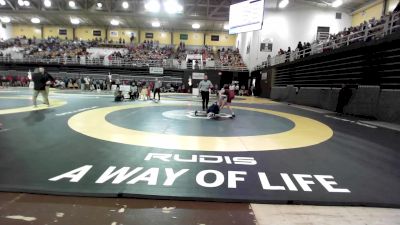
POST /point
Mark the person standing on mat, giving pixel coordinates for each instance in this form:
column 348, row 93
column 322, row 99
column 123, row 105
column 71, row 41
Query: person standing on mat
column 49, row 80
column 39, row 86
column 157, row 89
column 204, row 88
column 225, row 99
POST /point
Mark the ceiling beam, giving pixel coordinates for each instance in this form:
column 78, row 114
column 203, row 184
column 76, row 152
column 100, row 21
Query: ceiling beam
column 192, row 8
column 216, row 9
column 108, row 5
column 68, row 13
column 35, row 5
column 59, row 6
column 11, row 5
column 81, row 5
column 41, row 6
column 207, row 5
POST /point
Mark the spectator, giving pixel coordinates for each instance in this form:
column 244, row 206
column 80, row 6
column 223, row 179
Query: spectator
column 345, row 94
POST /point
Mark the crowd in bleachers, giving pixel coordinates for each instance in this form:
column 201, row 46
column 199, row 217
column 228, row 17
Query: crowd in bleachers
column 146, row 51
column 52, row 48
column 229, row 57
column 48, row 48
column 373, row 28
column 182, row 52
column 103, row 52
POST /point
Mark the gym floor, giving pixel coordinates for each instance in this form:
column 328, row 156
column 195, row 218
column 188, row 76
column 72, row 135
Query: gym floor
column 124, row 157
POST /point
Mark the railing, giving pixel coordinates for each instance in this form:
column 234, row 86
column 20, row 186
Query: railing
column 167, row 64
column 391, row 24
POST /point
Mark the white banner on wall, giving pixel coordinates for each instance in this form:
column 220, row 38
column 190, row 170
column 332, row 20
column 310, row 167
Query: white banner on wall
column 198, row 76
column 129, row 33
column 156, row 70
column 113, row 33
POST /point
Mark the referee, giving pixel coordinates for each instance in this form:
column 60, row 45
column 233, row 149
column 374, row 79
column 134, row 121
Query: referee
column 204, row 88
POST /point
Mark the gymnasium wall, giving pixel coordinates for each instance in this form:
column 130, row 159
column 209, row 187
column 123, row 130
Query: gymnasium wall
column 286, row 27
column 86, row 33
column 162, row 36
column 29, row 31
column 115, row 34
column 373, row 10
column 224, row 39
column 194, row 38
column 53, row 31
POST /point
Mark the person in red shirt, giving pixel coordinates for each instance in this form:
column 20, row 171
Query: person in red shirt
column 148, row 92
column 10, row 80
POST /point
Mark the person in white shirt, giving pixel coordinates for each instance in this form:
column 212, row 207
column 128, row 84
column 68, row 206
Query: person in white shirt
column 232, row 87
column 133, row 91
column 204, row 88
column 237, row 89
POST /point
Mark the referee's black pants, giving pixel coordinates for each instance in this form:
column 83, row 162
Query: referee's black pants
column 157, row 90
column 205, row 96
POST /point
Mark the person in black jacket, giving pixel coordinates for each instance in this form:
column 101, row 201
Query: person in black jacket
column 345, row 94
column 39, row 80
column 49, row 80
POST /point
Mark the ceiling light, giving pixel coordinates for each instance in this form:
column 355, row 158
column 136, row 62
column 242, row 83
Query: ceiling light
column 47, row 3
column 75, row 21
column 172, row 7
column 71, row 4
column 27, row 3
column 21, row 2
column 5, row 19
column 114, row 22
column 283, row 3
column 35, row 20
column 99, row 5
column 156, row 24
column 226, row 27
column 125, row 5
column 195, row 26
column 2, row 2
column 152, row 6
column 337, row 3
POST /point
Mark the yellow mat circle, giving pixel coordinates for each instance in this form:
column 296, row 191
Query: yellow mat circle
column 53, row 103
column 306, row 132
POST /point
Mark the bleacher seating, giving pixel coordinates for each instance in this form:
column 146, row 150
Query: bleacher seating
column 146, row 54
column 364, row 63
column 230, row 57
column 374, row 29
